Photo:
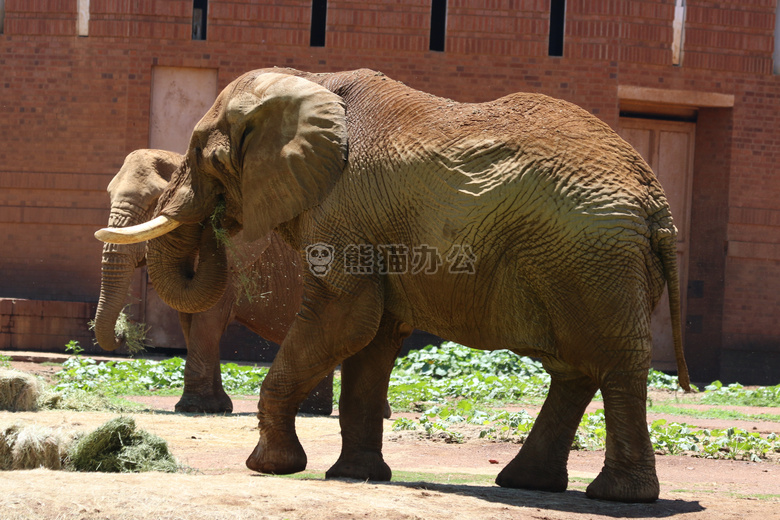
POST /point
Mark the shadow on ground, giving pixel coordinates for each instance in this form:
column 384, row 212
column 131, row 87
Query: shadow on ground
column 570, row 501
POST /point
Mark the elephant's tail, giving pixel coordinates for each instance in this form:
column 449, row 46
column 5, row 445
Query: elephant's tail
column 668, row 250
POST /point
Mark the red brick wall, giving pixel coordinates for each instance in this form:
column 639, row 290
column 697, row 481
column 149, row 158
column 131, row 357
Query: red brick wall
column 72, row 107
column 708, row 243
column 35, row 325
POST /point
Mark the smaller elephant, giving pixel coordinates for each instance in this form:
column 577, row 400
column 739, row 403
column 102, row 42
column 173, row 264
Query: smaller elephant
column 266, row 301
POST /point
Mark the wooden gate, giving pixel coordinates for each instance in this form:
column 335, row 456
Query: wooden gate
column 667, row 146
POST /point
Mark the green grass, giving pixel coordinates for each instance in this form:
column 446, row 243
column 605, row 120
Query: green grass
column 446, row 477
column 711, row 413
column 414, row 476
column 474, row 479
column 760, row 496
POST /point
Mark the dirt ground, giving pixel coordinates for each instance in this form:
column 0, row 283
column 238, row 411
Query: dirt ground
column 219, row 486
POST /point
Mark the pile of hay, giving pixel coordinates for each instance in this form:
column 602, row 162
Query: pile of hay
column 19, row 391
column 118, row 447
column 32, row 447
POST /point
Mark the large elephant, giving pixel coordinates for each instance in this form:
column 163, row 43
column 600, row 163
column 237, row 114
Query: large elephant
column 266, row 301
column 523, row 223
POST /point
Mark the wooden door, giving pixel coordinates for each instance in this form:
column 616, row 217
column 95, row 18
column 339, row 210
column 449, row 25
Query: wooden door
column 667, row 146
column 180, row 98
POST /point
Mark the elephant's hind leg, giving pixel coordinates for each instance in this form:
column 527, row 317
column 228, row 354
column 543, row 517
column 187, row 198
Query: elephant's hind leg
column 629, row 469
column 364, row 380
column 203, row 391
column 541, row 463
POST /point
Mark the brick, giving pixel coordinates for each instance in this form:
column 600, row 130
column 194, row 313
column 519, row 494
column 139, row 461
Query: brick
column 88, row 100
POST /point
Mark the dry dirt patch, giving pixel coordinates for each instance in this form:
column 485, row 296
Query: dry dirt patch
column 220, row 487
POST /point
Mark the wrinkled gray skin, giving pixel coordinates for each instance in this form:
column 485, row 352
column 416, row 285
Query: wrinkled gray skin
column 269, row 267
column 567, row 230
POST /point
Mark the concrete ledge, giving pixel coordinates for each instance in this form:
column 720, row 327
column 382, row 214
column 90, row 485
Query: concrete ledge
column 662, row 96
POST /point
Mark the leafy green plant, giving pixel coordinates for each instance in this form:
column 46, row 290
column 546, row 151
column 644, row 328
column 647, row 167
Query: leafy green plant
column 738, row 395
column 436, row 374
column 404, row 424
column 505, row 426
column 142, row 376
column 671, row 438
column 5, row 361
column 74, row 348
column 592, row 432
column 661, row 381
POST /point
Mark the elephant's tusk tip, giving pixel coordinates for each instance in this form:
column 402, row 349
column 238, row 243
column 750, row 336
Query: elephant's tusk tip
column 139, row 233
column 113, row 236
column 104, row 234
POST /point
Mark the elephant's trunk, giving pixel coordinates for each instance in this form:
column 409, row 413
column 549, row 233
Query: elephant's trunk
column 172, row 260
column 117, row 273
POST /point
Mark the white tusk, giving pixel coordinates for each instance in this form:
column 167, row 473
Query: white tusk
column 132, row 235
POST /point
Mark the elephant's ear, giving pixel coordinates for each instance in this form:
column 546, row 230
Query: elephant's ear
column 290, row 135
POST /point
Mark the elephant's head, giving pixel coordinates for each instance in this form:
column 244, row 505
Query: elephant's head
column 133, row 193
column 272, row 146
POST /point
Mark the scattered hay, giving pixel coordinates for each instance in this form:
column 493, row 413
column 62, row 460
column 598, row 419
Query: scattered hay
column 19, row 391
column 117, row 447
column 32, row 447
column 82, row 401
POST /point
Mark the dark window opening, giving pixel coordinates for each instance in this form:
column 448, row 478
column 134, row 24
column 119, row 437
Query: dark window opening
column 557, row 23
column 438, row 25
column 319, row 16
column 200, row 9
column 683, row 118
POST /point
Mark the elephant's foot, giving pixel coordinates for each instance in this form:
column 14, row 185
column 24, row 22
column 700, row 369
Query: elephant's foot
column 523, row 473
column 625, row 486
column 198, row 403
column 364, row 465
column 278, row 458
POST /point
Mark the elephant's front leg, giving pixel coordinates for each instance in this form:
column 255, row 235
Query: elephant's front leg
column 364, row 380
column 541, row 463
column 328, row 329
